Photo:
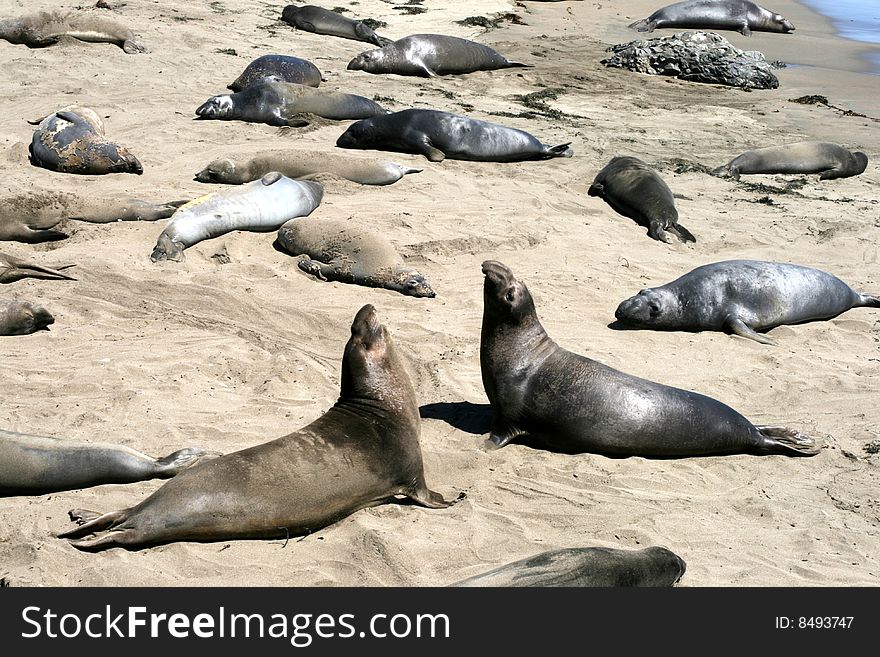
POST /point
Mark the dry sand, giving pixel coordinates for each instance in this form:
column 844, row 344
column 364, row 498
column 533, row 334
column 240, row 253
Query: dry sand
column 161, row 356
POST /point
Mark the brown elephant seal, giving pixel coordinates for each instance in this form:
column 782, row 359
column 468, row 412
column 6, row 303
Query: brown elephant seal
column 297, row 164
column 362, row 452
column 428, row 55
column 738, row 15
column 23, row 317
column 45, row 28
column 587, row 566
column 635, row 190
column 324, row 21
column 72, row 141
column 339, row 251
column 742, row 297
column 284, row 104
column 283, row 67
column 565, row 402
column 438, row 135
column 828, row 160
column 33, row 465
column 14, row 269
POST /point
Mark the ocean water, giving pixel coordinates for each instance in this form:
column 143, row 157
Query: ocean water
column 858, row 20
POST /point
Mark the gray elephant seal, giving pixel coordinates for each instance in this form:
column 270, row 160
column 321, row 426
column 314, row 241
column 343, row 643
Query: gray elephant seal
column 828, row 160
column 45, row 28
column 635, row 190
column 339, row 251
column 23, row 317
column 284, row 103
column 428, row 55
column 32, row 465
column 284, row 67
column 297, row 164
column 260, row 206
column 738, row 15
column 362, row 452
column 72, row 141
column 566, row 402
column 742, row 297
column 588, row 566
column 324, row 21
column 14, row 269
column 438, row 135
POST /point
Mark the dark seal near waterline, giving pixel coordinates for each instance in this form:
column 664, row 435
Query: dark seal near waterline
column 587, row 566
column 738, row 15
column 742, row 297
column 23, row 317
column 283, row 67
column 362, row 452
column 324, row 21
column 828, row 160
column 565, row 402
column 46, row 28
column 635, row 190
column 438, row 135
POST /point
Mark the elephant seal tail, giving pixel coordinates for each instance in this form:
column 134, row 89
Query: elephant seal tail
column 790, row 442
column 182, row 459
column 90, row 522
column 682, row 233
column 519, row 65
column 869, row 301
column 643, row 25
column 562, row 150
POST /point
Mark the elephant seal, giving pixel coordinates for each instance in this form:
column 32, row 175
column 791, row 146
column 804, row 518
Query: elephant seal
column 284, row 103
column 283, row 67
column 45, row 28
column 72, row 140
column 635, row 190
column 438, row 135
column 340, row 251
column 14, row 269
column 324, row 21
column 566, row 402
column 23, row 317
column 297, row 164
column 587, row 566
column 362, row 452
column 742, row 297
column 260, row 206
column 738, row 15
column 828, row 160
column 428, row 55
column 33, row 465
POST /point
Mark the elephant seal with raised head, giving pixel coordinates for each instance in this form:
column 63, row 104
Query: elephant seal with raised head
column 23, row 318
column 828, row 160
column 737, row 15
column 283, row 67
column 565, row 402
column 45, row 28
column 324, row 21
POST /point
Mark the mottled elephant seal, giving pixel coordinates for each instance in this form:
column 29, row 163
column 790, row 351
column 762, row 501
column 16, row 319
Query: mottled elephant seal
column 828, row 160
column 260, row 206
column 362, row 452
column 284, row 103
column 635, row 190
column 23, row 317
column 32, row 465
column 296, row 164
column 324, row 21
column 72, row 141
column 738, row 15
column 565, row 402
column 45, row 28
column 340, row 251
column 284, row 67
column 587, row 566
column 14, row 269
column 428, row 55
column 742, row 297
column 438, row 135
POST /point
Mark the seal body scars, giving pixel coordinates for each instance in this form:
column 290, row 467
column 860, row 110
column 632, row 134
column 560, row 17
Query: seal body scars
column 72, row 141
column 428, row 55
column 284, row 103
column 827, row 159
column 738, row 15
column 324, row 21
column 283, row 67
column 587, row 566
column 438, row 135
column 14, row 269
column 45, row 28
column 260, row 206
column 32, row 465
column 340, row 251
column 742, row 297
column 23, row 317
column 566, row 402
column 635, row 190
column 362, row 452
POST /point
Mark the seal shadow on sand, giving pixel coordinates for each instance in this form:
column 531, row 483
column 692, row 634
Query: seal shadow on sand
column 464, row 415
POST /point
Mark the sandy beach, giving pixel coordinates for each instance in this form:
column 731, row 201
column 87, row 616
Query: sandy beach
column 159, row 356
